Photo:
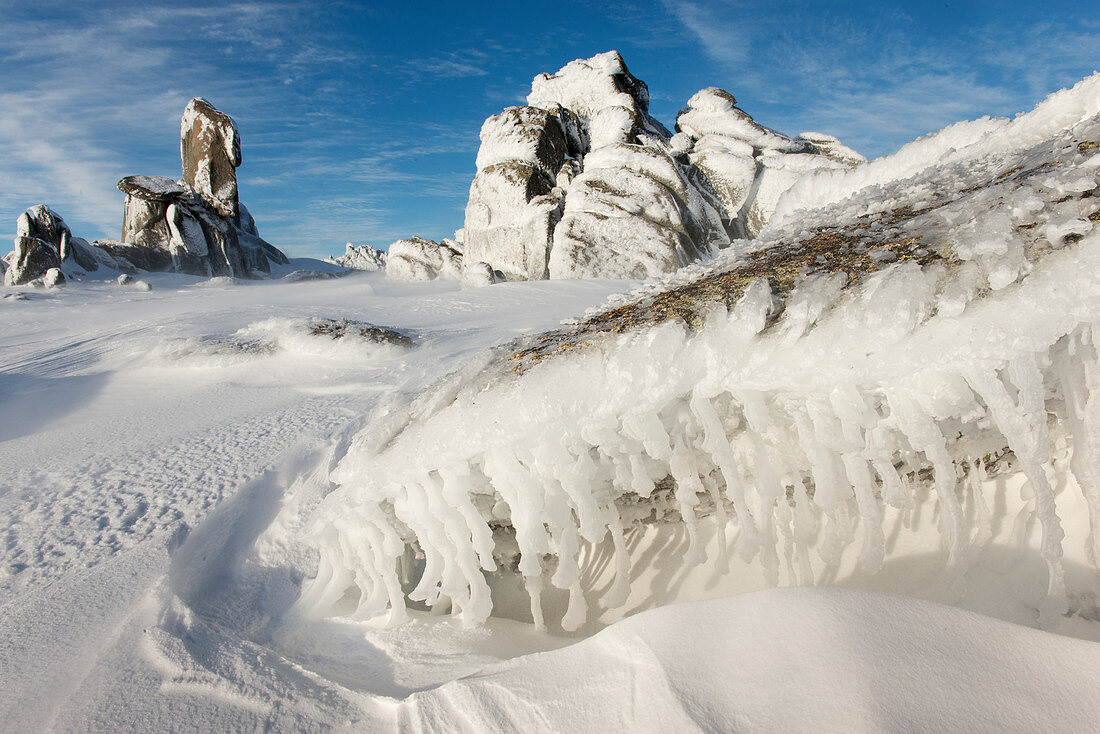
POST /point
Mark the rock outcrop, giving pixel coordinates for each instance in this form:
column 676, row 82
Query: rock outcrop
column 210, row 148
column 196, row 225
column 360, row 257
column 44, row 244
column 583, row 182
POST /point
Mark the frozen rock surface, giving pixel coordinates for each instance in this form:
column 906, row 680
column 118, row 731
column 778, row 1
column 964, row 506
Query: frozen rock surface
column 583, row 182
column 196, row 225
column 932, row 327
column 419, row 259
column 360, row 257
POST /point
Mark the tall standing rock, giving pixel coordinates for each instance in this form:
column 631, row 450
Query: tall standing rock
column 210, row 148
column 196, row 225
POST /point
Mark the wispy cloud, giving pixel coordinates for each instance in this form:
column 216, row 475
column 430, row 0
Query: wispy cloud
column 873, row 80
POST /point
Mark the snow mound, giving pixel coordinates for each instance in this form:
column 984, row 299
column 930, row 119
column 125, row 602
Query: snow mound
column 791, row 660
column 782, row 397
column 336, row 339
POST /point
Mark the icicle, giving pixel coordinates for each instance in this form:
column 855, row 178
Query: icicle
column 718, row 446
column 1024, row 425
column 507, row 476
column 684, row 471
column 1081, row 389
column 925, row 436
column 854, row 416
column 617, row 595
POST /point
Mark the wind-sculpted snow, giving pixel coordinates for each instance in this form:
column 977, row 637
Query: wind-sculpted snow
column 782, row 397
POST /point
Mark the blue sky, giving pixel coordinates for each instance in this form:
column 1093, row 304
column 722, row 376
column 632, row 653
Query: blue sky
column 359, row 121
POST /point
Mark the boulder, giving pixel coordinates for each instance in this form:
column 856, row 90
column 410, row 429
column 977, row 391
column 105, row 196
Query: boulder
column 32, row 259
column 419, row 259
column 43, row 223
column 53, row 278
column 210, row 148
column 479, row 275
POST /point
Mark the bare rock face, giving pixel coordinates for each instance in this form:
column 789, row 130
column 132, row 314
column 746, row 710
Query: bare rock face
column 195, row 225
column 419, row 259
column 210, row 148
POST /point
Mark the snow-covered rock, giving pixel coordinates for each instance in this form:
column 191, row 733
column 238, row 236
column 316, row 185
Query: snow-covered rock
column 610, row 102
column 419, row 259
column 747, row 165
column 196, row 225
column 633, row 213
column 514, row 204
column 30, row 261
column 583, row 182
column 43, row 223
column 479, row 275
column 210, row 148
column 360, row 257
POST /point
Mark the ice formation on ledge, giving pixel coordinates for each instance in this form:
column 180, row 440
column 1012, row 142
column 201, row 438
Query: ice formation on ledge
column 941, row 311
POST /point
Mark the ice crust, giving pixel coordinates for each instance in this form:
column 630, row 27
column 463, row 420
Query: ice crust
column 786, row 421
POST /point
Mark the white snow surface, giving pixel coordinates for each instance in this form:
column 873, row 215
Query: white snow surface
column 219, row 520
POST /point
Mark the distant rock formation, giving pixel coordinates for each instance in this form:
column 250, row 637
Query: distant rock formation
column 196, row 225
column 583, row 182
column 360, row 257
column 417, row 259
column 42, row 241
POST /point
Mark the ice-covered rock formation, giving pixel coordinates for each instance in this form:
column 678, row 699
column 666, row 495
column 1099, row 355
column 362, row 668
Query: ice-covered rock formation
column 421, row 259
column 360, row 257
column 747, row 165
column 934, row 321
column 583, row 182
column 196, row 225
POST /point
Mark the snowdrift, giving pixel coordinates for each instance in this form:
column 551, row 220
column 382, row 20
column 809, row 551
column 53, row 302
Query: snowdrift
column 933, row 315
column 792, row 660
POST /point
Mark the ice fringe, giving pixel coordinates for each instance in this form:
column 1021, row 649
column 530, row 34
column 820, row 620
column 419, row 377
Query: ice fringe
column 794, row 428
